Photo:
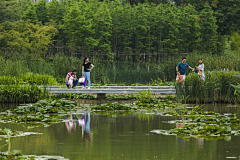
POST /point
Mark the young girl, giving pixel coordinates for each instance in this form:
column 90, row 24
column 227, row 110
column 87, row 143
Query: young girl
column 201, row 69
column 70, row 81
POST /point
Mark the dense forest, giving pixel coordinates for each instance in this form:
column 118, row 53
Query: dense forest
column 106, row 28
column 114, row 26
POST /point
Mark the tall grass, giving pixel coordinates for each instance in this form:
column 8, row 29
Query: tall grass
column 216, row 88
column 20, row 94
column 120, row 71
column 28, row 78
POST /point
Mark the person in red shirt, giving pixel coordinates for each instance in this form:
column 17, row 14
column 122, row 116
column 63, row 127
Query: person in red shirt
column 75, row 80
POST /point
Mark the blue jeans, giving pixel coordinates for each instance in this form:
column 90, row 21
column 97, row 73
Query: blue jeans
column 74, row 83
column 87, row 77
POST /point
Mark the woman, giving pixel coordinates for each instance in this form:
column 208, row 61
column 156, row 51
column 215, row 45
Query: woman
column 201, row 68
column 86, row 69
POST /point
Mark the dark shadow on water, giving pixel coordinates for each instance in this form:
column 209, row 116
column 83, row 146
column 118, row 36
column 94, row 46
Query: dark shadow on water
column 223, row 108
column 6, row 106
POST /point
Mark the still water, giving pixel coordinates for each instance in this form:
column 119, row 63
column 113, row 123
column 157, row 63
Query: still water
column 125, row 137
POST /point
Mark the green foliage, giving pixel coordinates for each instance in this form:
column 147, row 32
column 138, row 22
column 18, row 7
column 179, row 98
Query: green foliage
column 160, row 82
column 43, row 113
column 216, row 87
column 148, row 27
column 10, row 10
column 158, row 103
column 153, row 103
column 123, row 97
column 42, row 11
column 20, row 94
column 28, row 78
column 79, row 26
column 237, row 88
column 209, row 37
column 201, row 130
column 29, row 11
column 26, row 38
column 144, row 96
column 199, row 123
column 113, row 106
column 235, row 39
column 74, row 96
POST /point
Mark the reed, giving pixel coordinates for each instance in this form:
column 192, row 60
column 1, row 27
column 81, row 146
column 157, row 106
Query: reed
column 28, row 78
column 216, row 88
column 118, row 71
column 20, row 94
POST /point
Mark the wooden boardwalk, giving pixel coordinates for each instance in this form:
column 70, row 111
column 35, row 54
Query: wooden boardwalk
column 103, row 90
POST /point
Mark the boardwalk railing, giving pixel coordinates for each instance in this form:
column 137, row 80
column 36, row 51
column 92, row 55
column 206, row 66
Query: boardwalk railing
column 103, row 90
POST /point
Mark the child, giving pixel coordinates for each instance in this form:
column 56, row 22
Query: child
column 179, row 77
column 71, row 80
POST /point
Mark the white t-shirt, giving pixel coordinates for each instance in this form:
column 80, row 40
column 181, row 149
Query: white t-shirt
column 71, row 80
column 201, row 67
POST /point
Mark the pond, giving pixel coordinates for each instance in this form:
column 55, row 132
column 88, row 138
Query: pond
column 124, row 137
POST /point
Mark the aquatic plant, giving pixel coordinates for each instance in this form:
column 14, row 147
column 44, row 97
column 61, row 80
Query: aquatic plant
column 113, row 106
column 115, row 113
column 42, row 113
column 28, row 78
column 200, row 130
column 216, row 87
column 160, row 82
column 157, row 103
column 122, row 97
column 144, row 96
column 20, row 94
column 74, row 96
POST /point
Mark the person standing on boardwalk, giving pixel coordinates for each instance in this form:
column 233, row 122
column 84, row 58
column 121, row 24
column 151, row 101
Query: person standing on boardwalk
column 75, row 80
column 86, row 69
column 181, row 67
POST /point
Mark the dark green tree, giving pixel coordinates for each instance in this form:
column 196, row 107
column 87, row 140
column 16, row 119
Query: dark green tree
column 209, row 36
column 42, row 11
column 28, row 11
column 9, row 10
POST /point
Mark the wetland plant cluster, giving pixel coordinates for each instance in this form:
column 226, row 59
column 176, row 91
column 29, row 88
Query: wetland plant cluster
column 24, row 89
column 20, row 94
column 28, row 78
column 42, row 113
column 90, row 96
column 153, row 104
column 199, row 123
column 217, row 87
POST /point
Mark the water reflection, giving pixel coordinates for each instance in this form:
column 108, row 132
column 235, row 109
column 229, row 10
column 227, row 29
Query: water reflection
column 6, row 106
column 182, row 141
column 70, row 123
column 83, row 121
